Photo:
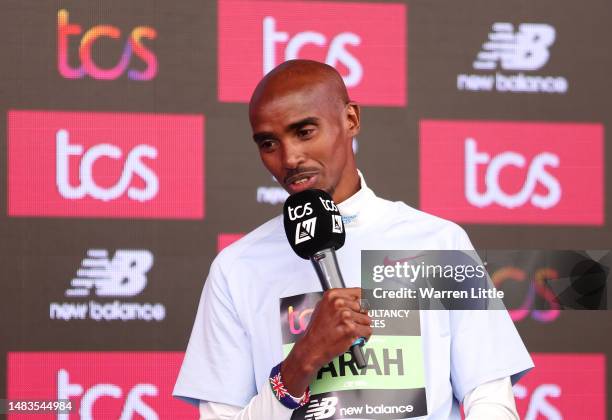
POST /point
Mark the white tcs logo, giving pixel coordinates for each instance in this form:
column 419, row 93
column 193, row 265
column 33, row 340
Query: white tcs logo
column 133, row 165
column 134, row 405
column 328, row 204
column 494, row 194
column 336, row 53
column 299, row 211
column 539, row 404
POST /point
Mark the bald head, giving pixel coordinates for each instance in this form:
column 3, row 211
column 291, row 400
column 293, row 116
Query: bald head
column 295, row 76
column 303, row 124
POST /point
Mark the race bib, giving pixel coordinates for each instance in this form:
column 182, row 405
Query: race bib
column 391, row 386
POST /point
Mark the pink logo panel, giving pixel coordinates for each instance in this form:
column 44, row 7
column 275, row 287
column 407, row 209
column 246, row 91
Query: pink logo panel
column 91, row 164
column 365, row 42
column 512, row 172
column 104, row 385
column 563, row 386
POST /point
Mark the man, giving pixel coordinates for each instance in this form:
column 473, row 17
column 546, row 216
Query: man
column 303, row 124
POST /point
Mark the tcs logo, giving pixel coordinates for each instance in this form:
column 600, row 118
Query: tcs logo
column 299, row 211
column 134, row 165
column 133, row 46
column 298, row 320
column 329, row 205
column 535, row 289
column 512, row 172
column 100, row 385
column 365, row 42
column 338, row 53
column 133, row 405
column 536, row 173
column 91, row 164
column 563, row 386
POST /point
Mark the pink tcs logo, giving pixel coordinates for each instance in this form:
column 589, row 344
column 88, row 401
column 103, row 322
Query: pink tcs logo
column 84, row 164
column 536, row 289
column 512, row 172
column 118, row 385
column 365, row 42
column 298, row 319
column 563, row 386
column 133, row 46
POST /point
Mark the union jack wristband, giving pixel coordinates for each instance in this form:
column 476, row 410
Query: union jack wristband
column 280, row 391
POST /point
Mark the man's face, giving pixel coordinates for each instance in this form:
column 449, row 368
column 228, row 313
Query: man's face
column 305, row 139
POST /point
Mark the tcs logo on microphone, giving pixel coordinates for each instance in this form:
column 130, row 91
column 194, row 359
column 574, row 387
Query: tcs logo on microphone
column 329, row 205
column 512, row 172
column 298, row 212
column 133, row 47
column 86, row 164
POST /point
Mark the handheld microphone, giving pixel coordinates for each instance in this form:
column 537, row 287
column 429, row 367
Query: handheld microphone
column 315, row 231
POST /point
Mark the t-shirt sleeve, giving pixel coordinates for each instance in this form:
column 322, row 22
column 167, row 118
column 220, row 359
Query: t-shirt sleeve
column 485, row 344
column 217, row 366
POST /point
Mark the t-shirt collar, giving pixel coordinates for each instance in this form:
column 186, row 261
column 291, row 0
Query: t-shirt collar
column 354, row 210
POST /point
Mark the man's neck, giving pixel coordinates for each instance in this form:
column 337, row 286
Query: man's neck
column 354, row 186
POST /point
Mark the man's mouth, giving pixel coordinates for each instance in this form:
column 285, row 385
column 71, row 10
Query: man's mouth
column 301, row 182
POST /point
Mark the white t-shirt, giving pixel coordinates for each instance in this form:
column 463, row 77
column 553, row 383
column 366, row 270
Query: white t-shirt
column 236, row 337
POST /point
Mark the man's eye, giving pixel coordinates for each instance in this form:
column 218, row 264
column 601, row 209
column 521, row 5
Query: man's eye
column 267, row 145
column 305, row 132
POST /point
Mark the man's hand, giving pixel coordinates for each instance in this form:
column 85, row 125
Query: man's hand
column 334, row 325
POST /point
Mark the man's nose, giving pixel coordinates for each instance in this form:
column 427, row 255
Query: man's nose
column 293, row 155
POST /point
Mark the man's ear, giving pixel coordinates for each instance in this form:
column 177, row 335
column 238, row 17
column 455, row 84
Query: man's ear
column 352, row 119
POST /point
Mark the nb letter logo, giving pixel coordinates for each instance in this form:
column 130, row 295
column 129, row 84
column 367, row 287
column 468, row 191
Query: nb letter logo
column 123, row 275
column 324, row 409
column 527, row 49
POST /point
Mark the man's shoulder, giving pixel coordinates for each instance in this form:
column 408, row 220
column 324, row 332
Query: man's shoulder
column 409, row 220
column 265, row 237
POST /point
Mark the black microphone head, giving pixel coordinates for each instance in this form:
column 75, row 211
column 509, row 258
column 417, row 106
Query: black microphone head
column 312, row 222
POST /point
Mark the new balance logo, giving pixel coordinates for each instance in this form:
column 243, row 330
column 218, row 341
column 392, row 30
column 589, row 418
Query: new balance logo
column 304, row 231
column 337, row 223
column 324, row 409
column 122, row 275
column 526, row 49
